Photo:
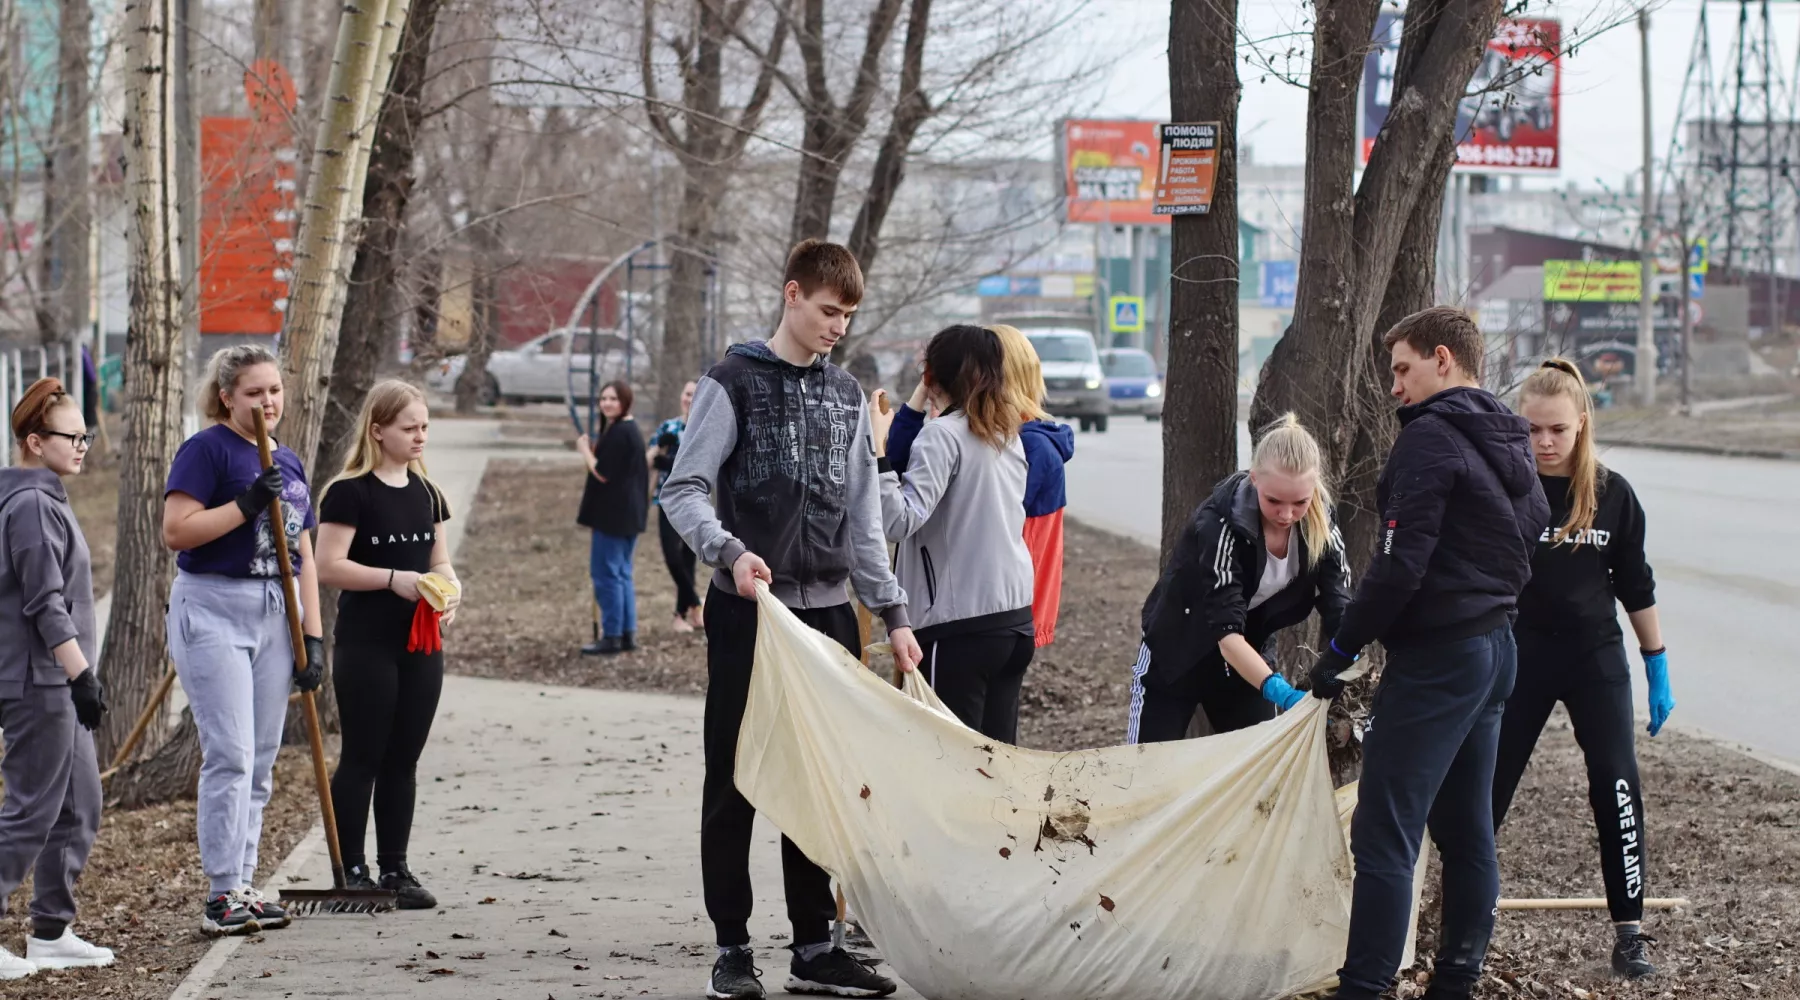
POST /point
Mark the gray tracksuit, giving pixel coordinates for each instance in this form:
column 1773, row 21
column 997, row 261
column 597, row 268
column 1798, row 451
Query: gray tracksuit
column 787, row 449
column 52, row 808
column 958, row 515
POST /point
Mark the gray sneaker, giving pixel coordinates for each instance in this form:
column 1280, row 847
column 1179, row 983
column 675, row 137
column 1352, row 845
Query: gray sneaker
column 228, row 914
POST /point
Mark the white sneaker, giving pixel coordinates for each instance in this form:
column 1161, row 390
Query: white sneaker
column 66, row 952
column 14, row 967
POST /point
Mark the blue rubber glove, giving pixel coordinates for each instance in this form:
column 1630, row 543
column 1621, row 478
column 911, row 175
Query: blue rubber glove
column 1280, row 693
column 1662, row 701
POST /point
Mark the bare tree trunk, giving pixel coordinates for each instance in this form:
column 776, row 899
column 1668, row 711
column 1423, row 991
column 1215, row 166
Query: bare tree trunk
column 171, row 772
column 370, row 314
column 1200, row 418
column 367, row 36
column 485, row 238
column 67, row 211
column 135, row 638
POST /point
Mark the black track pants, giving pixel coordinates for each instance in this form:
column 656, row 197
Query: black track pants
column 725, row 815
column 1160, row 714
column 387, row 698
column 979, row 677
column 680, row 560
column 1595, row 686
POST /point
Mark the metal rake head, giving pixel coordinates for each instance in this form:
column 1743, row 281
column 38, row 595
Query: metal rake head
column 308, row 902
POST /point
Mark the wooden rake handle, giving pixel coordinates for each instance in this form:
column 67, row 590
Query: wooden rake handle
column 308, row 705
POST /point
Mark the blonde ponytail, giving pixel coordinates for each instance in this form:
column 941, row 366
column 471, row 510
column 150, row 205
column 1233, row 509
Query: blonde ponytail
column 1560, row 377
column 1286, row 447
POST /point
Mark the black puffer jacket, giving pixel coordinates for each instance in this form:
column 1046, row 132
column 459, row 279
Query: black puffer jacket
column 1461, row 510
column 1204, row 593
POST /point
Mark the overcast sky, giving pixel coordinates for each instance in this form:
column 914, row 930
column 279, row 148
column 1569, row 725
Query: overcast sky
column 1601, row 108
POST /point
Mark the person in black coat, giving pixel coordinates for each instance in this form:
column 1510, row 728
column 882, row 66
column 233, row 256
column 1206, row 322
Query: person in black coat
column 1461, row 510
column 1258, row 556
column 615, row 505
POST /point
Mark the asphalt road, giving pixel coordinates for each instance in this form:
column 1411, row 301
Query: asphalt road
column 1725, row 552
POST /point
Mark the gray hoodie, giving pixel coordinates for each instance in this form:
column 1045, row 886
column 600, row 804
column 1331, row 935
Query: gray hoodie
column 958, row 514
column 46, row 581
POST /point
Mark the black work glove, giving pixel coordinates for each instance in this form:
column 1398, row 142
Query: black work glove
column 314, row 674
column 262, row 491
column 90, row 699
column 1331, row 663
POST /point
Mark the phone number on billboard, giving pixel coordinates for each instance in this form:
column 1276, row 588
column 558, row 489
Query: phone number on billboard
column 1479, row 154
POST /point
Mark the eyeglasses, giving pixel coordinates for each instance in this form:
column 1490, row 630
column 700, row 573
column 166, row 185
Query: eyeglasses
column 81, row 442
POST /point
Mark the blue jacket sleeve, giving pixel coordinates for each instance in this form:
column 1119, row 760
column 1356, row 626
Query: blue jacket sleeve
column 1422, row 469
column 908, row 422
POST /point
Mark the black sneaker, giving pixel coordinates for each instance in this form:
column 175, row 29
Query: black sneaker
column 734, row 977
column 837, row 973
column 412, row 895
column 269, row 914
column 358, row 877
column 1631, row 956
column 228, row 914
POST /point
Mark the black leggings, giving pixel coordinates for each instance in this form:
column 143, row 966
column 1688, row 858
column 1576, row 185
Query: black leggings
column 386, row 699
column 979, row 677
column 1595, row 686
column 680, row 560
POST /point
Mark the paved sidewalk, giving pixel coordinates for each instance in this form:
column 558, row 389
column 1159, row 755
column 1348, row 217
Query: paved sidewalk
column 559, row 829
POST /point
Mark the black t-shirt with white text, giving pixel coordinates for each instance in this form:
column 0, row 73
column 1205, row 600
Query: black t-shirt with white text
column 393, row 527
column 1575, row 582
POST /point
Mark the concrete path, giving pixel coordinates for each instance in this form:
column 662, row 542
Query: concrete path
column 559, row 829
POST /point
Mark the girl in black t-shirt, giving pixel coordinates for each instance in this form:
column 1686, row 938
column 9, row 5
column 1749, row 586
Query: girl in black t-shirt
column 1589, row 562
column 380, row 529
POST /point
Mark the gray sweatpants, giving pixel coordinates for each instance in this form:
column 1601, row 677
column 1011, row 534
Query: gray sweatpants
column 52, row 807
column 230, row 641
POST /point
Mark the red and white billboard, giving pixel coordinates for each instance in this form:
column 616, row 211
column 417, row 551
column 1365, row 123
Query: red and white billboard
column 1109, row 171
column 1511, row 119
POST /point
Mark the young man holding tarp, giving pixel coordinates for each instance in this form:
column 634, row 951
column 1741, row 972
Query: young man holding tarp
column 782, row 435
column 1461, row 508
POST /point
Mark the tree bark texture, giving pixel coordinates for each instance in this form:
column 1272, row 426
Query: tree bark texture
column 68, row 213
column 486, row 241
column 707, row 145
column 333, row 193
column 1200, row 418
column 170, row 772
column 133, row 655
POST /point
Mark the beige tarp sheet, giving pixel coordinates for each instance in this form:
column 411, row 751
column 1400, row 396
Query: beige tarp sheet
column 1211, row 868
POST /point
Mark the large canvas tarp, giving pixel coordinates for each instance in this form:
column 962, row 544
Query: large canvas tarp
column 1210, row 868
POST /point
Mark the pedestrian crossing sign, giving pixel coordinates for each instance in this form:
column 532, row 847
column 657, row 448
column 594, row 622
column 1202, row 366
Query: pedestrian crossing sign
column 1127, row 313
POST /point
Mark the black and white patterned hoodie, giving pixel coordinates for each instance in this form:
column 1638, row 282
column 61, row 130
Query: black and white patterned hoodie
column 787, row 450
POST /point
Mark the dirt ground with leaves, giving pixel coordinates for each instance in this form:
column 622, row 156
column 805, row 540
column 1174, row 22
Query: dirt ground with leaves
column 143, row 889
column 1724, row 830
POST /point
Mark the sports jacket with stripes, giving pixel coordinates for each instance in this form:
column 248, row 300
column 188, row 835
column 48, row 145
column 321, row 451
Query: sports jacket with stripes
column 1204, row 593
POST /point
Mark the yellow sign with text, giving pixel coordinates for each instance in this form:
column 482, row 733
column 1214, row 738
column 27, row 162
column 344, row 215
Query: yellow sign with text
column 1593, row 280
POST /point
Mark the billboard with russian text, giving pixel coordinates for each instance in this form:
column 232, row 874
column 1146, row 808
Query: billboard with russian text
column 1510, row 120
column 1109, row 171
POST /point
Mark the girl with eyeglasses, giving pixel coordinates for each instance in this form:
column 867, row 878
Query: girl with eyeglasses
column 50, row 697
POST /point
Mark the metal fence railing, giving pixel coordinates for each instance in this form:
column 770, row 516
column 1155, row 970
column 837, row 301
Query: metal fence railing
column 21, row 366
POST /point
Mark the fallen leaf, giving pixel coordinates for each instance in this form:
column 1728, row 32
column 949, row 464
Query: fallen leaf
column 266, row 974
column 1106, row 903
column 486, row 901
column 474, row 956
column 1006, row 852
column 865, row 791
column 581, row 968
column 462, row 937
column 431, row 954
column 556, row 933
column 443, row 972
column 983, row 773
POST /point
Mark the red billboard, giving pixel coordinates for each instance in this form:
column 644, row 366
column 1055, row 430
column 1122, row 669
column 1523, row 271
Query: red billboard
column 247, row 215
column 1510, row 121
column 1109, row 171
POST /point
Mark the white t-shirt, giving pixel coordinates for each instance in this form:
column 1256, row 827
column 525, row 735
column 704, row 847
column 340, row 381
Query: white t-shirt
column 1277, row 573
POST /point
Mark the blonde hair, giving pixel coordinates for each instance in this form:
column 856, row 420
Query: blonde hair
column 222, row 373
column 1022, row 376
column 381, row 407
column 1285, row 446
column 1560, row 377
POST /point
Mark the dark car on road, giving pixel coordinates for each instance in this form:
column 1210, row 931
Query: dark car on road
column 1132, row 382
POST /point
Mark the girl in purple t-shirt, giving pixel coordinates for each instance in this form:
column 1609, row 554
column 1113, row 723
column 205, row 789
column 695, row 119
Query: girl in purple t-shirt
column 227, row 620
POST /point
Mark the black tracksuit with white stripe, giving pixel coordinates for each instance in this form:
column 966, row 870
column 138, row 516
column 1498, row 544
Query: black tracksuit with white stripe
column 1571, row 650
column 1203, row 596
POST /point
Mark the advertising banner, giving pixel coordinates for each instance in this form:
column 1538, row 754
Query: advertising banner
column 1280, row 278
column 1593, row 280
column 1109, row 171
column 1510, row 121
column 1187, row 168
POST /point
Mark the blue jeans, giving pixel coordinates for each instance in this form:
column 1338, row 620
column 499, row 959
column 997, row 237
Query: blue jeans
column 609, row 563
column 1428, row 763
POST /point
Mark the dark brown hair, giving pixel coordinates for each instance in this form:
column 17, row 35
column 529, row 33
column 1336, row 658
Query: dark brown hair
column 1442, row 326
column 816, row 264
column 968, row 364
column 32, row 415
column 622, row 389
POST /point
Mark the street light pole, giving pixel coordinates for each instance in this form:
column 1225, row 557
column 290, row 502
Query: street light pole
column 1645, row 376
